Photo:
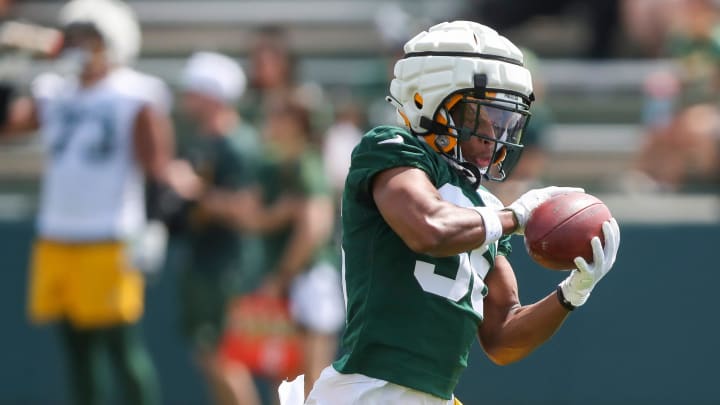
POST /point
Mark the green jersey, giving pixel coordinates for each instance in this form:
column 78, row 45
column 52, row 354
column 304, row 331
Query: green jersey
column 229, row 163
column 303, row 177
column 411, row 318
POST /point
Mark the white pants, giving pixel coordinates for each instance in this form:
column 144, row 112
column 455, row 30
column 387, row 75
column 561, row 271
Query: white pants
column 333, row 388
column 316, row 299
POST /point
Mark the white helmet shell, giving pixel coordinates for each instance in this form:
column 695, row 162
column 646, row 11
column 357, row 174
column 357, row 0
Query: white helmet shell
column 447, row 58
column 116, row 22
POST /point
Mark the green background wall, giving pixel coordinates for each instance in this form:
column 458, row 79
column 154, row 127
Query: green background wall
column 649, row 334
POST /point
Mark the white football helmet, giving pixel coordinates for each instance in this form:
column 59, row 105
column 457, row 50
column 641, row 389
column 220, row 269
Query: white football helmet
column 114, row 20
column 460, row 79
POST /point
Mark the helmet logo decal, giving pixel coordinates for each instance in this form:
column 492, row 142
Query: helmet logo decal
column 442, row 141
column 417, row 98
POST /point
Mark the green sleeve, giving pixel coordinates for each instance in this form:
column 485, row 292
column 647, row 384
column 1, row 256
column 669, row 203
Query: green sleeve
column 238, row 169
column 504, row 246
column 384, row 148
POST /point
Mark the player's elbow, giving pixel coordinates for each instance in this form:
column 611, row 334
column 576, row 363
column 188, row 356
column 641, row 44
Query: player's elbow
column 426, row 239
column 503, row 356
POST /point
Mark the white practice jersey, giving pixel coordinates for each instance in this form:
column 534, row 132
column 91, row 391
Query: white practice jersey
column 93, row 187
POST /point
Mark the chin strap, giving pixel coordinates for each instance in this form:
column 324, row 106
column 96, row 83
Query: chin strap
column 465, row 169
column 475, row 175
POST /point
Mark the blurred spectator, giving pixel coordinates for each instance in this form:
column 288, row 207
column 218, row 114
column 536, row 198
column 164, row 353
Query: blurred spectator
column 694, row 41
column 526, row 174
column 221, row 165
column 104, row 127
column 272, row 63
column 296, row 258
column 272, row 69
column 682, row 155
column 681, row 149
column 647, row 22
column 274, row 75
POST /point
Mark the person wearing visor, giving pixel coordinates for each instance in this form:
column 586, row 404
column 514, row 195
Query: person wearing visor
column 105, row 131
column 425, row 245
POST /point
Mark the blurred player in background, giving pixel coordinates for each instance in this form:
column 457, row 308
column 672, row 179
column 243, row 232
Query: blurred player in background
column 272, row 63
column 425, row 246
column 214, row 183
column 104, row 129
column 273, row 72
column 297, row 260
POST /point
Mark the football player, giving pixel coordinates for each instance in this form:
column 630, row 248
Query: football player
column 214, row 183
column 104, row 130
column 425, row 245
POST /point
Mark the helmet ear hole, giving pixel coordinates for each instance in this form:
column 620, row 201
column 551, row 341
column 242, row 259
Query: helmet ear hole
column 441, row 143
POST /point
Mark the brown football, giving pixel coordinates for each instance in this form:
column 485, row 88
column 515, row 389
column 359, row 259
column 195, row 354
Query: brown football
column 560, row 229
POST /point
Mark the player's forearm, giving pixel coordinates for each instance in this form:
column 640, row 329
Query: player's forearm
column 20, row 118
column 277, row 215
column 153, row 144
column 525, row 329
column 219, row 203
column 452, row 230
column 425, row 221
column 249, row 214
column 313, row 228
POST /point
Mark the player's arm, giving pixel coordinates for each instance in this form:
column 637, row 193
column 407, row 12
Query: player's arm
column 244, row 209
column 509, row 331
column 312, row 227
column 153, row 143
column 414, row 209
column 18, row 117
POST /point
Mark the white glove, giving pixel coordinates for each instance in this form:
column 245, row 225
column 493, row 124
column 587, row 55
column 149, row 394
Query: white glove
column 577, row 287
column 523, row 206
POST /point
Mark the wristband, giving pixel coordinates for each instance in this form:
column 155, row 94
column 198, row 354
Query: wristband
column 564, row 302
column 491, row 220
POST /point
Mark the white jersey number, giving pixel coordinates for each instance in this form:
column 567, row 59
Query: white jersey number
column 472, row 266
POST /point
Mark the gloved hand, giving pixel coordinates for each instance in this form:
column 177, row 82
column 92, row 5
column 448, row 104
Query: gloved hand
column 523, row 206
column 577, row 287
